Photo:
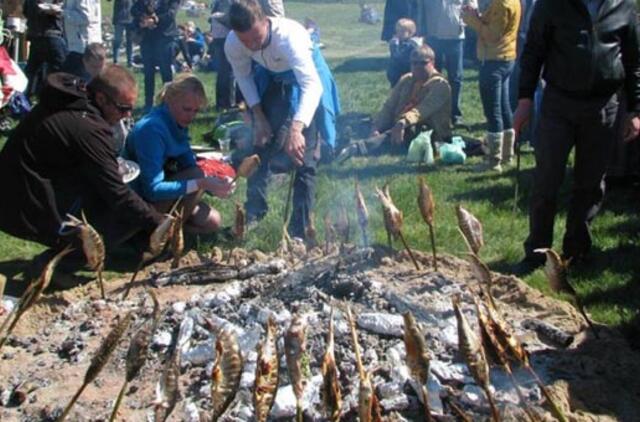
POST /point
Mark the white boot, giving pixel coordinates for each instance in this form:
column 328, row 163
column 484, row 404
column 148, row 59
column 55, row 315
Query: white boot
column 492, row 147
column 508, row 141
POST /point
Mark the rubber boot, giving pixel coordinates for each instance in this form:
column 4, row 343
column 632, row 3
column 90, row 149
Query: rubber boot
column 508, row 142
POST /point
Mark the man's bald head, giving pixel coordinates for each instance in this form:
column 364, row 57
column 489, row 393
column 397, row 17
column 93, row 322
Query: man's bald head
column 114, row 91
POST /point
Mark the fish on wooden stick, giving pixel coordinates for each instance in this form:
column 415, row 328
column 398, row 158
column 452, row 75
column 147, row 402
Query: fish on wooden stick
column 493, row 343
column 330, row 390
column 138, row 349
column 393, row 220
column 330, row 235
column 247, row 167
column 556, row 270
column 157, row 243
column 168, row 387
column 427, row 209
column 92, row 246
column 177, row 239
column 295, row 347
column 480, row 271
column 239, row 224
column 227, row 370
column 470, row 228
column 368, row 405
column 100, row 359
column 510, row 342
column 32, row 294
column 363, row 214
column 267, row 373
column 310, row 232
column 474, row 355
column 418, row 359
column 343, row 224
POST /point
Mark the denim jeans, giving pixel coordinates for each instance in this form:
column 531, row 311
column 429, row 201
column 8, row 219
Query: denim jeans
column 156, row 52
column 46, row 55
column 225, row 82
column 449, row 58
column 494, row 93
column 119, row 30
column 277, row 109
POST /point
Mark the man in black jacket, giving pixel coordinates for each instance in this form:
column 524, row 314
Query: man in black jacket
column 156, row 21
column 587, row 50
column 62, row 159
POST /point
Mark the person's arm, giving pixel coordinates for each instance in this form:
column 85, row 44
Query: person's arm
column 493, row 30
column 186, row 160
column 241, row 65
column 299, row 54
column 100, row 167
column 77, row 12
column 386, row 117
column 168, row 17
column 439, row 94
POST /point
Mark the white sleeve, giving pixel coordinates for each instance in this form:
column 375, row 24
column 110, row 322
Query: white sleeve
column 300, row 57
column 241, row 64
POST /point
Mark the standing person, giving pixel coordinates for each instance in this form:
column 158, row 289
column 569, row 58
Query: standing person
column 445, row 34
column 62, row 159
column 122, row 21
column 48, row 49
column 586, row 50
column 156, row 20
column 225, row 81
column 82, row 26
column 497, row 29
column 290, row 91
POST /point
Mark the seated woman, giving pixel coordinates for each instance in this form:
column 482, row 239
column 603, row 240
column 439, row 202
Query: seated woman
column 159, row 143
column 420, row 100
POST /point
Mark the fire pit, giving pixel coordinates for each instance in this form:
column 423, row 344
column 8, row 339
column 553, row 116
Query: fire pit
column 44, row 361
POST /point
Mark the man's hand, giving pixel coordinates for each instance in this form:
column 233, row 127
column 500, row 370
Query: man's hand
column 522, row 114
column 262, row 132
column 469, row 10
column 397, row 133
column 632, row 127
column 295, row 145
column 221, row 188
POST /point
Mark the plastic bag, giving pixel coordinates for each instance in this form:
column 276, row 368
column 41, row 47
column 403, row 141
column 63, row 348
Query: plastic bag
column 420, row 149
column 453, row 153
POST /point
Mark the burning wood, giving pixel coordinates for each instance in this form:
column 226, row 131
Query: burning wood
column 92, row 246
column 427, row 209
column 393, row 220
column 556, row 271
column 32, row 294
column 471, row 229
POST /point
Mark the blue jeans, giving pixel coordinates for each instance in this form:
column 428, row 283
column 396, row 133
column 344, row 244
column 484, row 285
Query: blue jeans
column 449, row 58
column 494, row 93
column 156, row 52
column 119, row 30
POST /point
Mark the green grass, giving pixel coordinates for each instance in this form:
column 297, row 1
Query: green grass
column 609, row 285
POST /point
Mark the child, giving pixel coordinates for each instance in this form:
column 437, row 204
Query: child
column 400, row 48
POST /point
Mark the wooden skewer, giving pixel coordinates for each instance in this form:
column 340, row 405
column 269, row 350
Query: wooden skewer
column 406, row 246
column 433, row 247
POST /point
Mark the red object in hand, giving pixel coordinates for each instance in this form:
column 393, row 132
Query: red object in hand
column 216, row 168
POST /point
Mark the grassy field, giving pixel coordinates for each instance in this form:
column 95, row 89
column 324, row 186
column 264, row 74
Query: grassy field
column 608, row 285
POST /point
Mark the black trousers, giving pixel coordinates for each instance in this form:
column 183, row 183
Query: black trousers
column 46, row 55
column 565, row 123
column 225, row 82
column 275, row 104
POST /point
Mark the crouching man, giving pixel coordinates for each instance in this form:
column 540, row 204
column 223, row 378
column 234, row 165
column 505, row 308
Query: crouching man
column 292, row 96
column 420, row 100
column 61, row 159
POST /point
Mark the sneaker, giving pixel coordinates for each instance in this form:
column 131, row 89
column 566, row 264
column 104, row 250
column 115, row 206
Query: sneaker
column 457, row 121
column 527, row 266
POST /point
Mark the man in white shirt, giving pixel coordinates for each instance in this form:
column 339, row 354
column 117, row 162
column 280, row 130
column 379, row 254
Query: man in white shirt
column 281, row 77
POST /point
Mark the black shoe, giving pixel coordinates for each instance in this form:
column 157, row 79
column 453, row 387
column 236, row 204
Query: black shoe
column 527, row 266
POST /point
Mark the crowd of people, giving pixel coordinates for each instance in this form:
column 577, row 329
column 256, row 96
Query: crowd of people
column 63, row 157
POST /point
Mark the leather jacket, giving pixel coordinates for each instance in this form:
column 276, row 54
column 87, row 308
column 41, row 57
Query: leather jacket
column 583, row 57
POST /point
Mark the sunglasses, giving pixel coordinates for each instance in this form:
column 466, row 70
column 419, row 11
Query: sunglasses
column 122, row 108
column 419, row 62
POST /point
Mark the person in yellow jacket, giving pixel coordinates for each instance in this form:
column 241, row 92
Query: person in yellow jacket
column 497, row 29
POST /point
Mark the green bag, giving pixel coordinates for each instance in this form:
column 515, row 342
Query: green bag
column 420, row 149
column 453, row 153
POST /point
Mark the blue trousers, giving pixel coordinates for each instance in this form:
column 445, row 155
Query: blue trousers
column 120, row 30
column 449, row 57
column 159, row 52
column 494, row 93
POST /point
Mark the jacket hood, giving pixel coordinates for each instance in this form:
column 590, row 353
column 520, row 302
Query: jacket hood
column 65, row 91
